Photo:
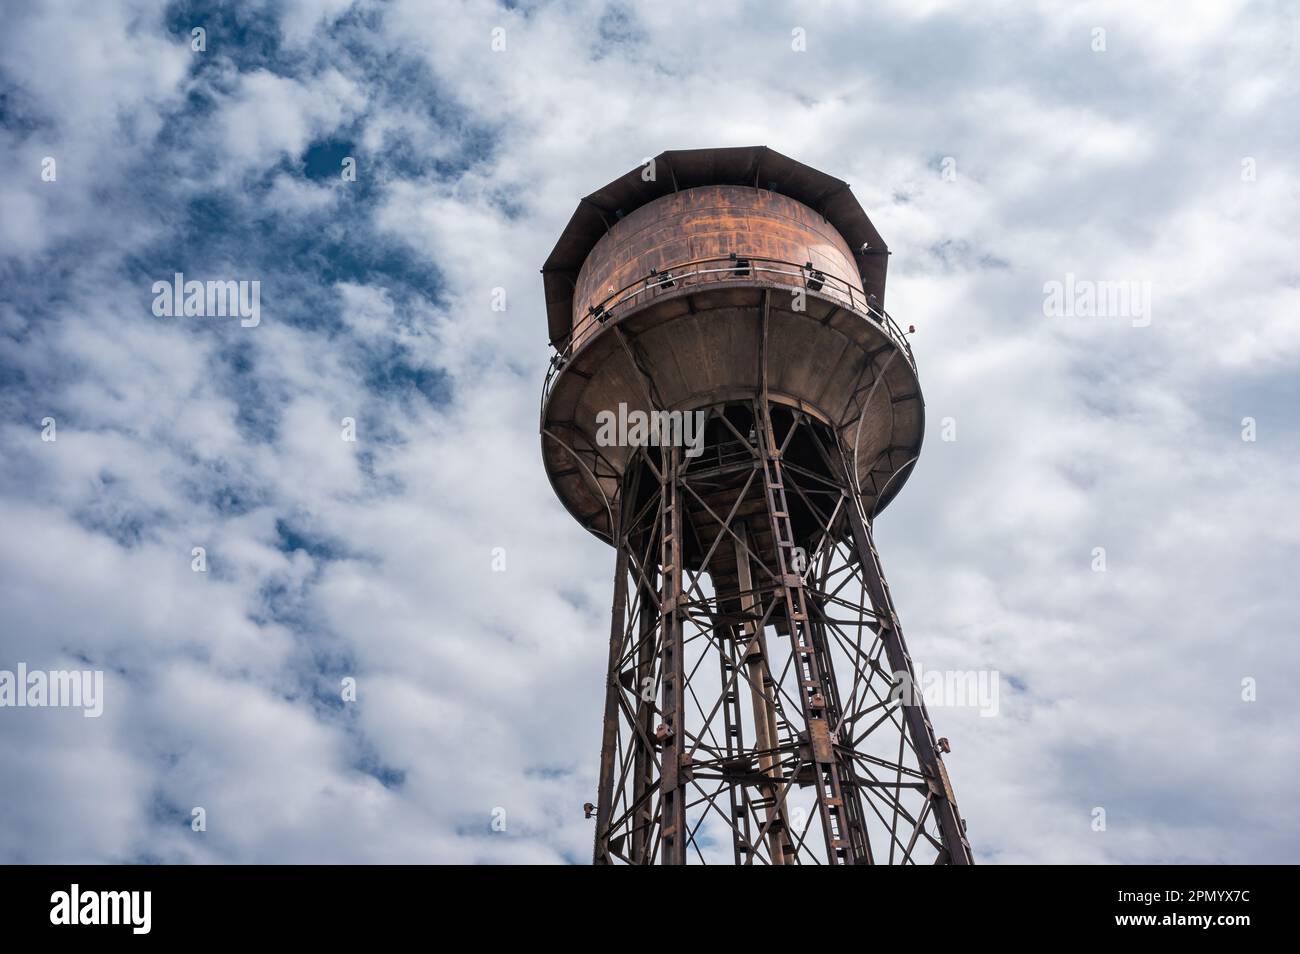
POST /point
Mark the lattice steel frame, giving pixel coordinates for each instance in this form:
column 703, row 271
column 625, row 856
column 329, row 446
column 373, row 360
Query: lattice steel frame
column 741, row 722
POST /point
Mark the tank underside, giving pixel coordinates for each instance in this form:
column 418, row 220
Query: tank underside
column 695, row 346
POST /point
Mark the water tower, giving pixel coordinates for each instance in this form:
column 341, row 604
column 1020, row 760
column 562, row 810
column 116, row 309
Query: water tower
column 729, row 406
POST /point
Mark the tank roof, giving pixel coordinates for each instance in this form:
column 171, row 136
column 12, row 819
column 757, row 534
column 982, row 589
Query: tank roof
column 678, row 169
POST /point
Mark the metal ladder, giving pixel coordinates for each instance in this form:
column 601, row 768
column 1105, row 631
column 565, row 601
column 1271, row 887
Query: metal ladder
column 814, row 691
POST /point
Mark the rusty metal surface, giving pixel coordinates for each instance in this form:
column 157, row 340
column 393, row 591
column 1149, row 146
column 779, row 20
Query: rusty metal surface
column 678, row 169
column 682, row 295
column 708, row 223
column 694, row 346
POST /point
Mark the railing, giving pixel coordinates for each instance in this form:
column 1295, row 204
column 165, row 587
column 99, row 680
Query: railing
column 705, row 270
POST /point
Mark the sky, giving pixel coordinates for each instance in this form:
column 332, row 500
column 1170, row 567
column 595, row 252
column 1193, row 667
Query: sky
column 1112, row 527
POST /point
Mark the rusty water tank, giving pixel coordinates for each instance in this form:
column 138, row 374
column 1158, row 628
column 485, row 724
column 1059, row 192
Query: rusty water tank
column 676, row 284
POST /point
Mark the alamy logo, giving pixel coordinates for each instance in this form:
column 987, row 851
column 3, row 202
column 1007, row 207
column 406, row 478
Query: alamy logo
column 103, row 907
column 212, row 299
column 1083, row 298
column 638, row 428
column 58, row 688
column 939, row 688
